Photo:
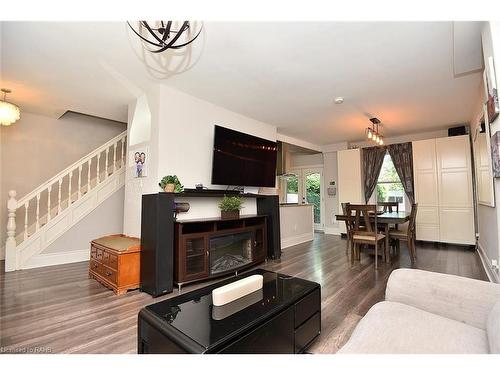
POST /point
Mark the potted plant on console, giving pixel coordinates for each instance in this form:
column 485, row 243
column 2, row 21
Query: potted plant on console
column 230, row 207
column 171, row 184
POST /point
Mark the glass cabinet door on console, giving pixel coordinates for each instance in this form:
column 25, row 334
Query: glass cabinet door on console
column 196, row 256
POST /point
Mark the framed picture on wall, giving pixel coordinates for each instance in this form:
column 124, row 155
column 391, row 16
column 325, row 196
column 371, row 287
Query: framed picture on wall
column 495, row 154
column 491, row 91
column 138, row 161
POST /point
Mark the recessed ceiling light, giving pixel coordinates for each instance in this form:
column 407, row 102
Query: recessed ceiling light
column 338, row 100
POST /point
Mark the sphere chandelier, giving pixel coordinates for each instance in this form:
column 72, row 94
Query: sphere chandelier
column 163, row 35
column 9, row 112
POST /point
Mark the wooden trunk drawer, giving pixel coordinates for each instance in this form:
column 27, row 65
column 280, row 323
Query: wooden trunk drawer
column 109, row 274
column 306, row 307
column 95, row 266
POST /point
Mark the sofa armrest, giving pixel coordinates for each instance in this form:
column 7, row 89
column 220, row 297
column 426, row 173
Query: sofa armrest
column 459, row 298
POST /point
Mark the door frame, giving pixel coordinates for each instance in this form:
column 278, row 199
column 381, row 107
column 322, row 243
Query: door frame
column 301, row 173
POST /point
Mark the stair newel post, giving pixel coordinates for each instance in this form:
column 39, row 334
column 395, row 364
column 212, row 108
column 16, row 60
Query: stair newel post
column 59, row 198
column 38, row 211
column 69, row 187
column 26, row 208
column 98, row 179
column 114, row 156
column 88, row 174
column 49, row 190
column 10, row 243
column 80, row 181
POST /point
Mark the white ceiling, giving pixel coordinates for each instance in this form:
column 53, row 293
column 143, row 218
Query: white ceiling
column 410, row 75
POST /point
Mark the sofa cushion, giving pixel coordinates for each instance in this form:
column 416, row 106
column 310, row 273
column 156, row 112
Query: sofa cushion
column 493, row 329
column 391, row 327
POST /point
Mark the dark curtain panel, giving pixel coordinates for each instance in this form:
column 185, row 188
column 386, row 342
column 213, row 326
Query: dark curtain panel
column 373, row 157
column 401, row 155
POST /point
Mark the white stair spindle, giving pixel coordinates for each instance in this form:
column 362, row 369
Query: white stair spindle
column 69, row 188
column 123, row 163
column 38, row 211
column 106, row 164
column 49, row 190
column 10, row 242
column 88, row 175
column 114, row 157
column 59, row 198
column 26, row 207
column 80, row 181
column 98, row 179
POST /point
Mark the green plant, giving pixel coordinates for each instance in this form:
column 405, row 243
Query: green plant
column 231, row 203
column 171, row 180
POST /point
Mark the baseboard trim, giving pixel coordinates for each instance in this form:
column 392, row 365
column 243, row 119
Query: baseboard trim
column 335, row 231
column 295, row 240
column 53, row 259
column 485, row 261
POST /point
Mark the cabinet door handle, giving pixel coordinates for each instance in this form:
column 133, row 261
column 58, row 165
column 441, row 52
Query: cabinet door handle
column 108, row 273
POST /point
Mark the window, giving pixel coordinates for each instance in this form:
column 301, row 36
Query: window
column 292, row 189
column 389, row 186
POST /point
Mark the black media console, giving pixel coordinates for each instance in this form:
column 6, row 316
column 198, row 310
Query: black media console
column 282, row 317
column 158, row 234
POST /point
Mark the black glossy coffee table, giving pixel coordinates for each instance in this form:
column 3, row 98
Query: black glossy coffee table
column 283, row 317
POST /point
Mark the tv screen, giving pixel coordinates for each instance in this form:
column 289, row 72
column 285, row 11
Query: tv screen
column 241, row 159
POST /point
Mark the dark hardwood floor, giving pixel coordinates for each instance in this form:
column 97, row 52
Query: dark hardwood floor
column 60, row 310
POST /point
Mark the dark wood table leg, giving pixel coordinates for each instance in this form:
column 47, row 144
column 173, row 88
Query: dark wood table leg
column 387, row 253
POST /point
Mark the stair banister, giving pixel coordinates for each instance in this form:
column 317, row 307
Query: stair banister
column 10, row 243
column 66, row 171
column 13, row 258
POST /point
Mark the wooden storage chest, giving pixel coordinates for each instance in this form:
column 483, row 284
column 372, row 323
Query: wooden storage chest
column 115, row 262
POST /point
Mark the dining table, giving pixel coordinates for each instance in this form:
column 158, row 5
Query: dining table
column 385, row 219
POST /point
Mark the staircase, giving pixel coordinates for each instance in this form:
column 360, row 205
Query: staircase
column 39, row 218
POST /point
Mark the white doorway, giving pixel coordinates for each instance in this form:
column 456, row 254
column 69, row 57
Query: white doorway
column 311, row 191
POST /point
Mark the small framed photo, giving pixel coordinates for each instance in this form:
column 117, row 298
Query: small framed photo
column 138, row 160
column 495, row 154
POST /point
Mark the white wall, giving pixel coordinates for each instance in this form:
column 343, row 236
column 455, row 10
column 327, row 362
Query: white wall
column 330, row 171
column 182, row 131
column 296, row 224
column 106, row 219
column 305, row 160
column 38, row 147
column 148, row 140
column 489, row 217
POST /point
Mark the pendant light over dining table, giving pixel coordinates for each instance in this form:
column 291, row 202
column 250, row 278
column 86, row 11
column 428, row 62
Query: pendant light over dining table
column 9, row 112
column 373, row 132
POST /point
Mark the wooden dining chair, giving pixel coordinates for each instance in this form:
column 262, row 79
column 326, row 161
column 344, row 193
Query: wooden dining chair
column 389, row 206
column 348, row 227
column 408, row 235
column 367, row 235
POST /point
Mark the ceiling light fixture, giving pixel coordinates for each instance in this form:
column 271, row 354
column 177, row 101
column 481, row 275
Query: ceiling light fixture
column 373, row 133
column 338, row 100
column 160, row 35
column 9, row 112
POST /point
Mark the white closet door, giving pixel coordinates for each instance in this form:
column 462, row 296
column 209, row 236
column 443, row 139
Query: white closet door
column 426, row 189
column 350, row 183
column 456, row 213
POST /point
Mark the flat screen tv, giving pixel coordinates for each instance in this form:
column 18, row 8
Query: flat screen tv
column 241, row 159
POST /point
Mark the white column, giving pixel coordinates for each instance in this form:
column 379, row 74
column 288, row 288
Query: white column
column 10, row 243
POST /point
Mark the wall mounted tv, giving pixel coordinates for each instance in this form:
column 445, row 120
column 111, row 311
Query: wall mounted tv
column 241, row 159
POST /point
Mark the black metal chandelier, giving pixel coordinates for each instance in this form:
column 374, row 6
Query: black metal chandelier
column 162, row 35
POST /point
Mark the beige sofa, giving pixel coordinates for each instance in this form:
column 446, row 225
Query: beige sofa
column 427, row 312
